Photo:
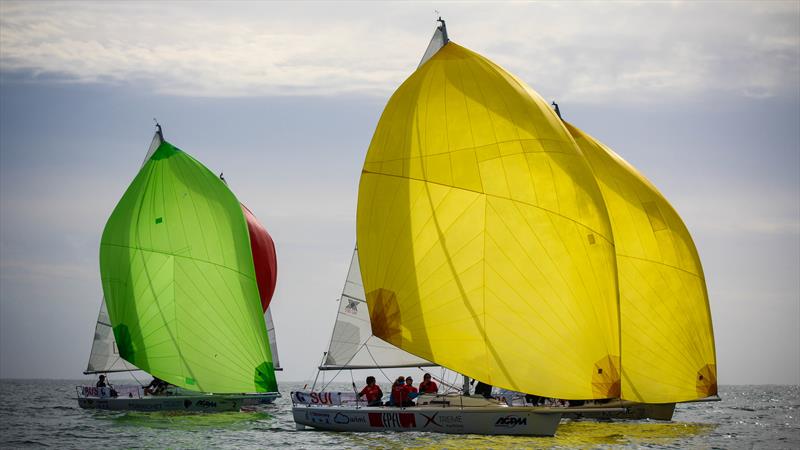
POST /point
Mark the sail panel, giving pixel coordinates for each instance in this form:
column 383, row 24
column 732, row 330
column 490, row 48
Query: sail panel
column 668, row 352
column 179, row 280
column 484, row 241
column 264, row 258
column 352, row 343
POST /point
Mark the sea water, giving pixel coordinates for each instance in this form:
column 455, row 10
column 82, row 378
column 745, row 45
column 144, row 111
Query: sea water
column 44, row 413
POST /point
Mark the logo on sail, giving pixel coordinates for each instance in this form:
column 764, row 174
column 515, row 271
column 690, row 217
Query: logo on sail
column 352, row 307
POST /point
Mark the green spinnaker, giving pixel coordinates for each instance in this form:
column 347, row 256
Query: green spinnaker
column 179, row 280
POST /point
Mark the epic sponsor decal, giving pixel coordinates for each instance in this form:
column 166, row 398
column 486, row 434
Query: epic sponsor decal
column 392, row 420
column 511, row 421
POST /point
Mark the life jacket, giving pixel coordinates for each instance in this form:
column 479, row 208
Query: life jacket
column 371, row 392
column 410, row 390
column 428, row 387
column 399, row 394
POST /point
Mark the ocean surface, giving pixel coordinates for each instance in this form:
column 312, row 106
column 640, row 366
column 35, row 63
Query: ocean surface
column 44, row 413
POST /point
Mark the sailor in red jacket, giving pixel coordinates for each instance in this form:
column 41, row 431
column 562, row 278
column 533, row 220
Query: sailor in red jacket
column 428, row 386
column 411, row 392
column 372, row 392
column 399, row 393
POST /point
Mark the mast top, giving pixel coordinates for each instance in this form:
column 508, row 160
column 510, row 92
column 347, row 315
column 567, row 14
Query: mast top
column 558, row 111
column 158, row 130
column 443, row 28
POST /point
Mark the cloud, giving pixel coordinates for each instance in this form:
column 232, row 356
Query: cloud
column 45, row 274
column 594, row 52
column 741, row 211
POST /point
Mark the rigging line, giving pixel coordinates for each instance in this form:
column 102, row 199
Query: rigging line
column 440, row 380
column 324, row 354
column 353, row 383
column 380, row 369
column 325, row 385
column 342, row 367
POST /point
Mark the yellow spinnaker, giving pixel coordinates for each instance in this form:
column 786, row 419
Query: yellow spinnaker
column 485, row 245
column 667, row 339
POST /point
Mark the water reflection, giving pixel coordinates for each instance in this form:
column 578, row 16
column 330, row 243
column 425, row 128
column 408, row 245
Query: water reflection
column 570, row 434
column 230, row 421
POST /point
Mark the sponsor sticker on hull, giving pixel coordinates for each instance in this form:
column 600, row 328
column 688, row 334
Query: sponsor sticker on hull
column 392, row 420
column 318, row 417
column 344, row 419
column 511, row 421
column 323, row 398
column 441, row 419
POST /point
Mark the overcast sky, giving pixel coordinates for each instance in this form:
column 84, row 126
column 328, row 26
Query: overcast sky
column 702, row 97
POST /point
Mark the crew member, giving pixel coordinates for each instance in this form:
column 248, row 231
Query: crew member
column 428, row 386
column 372, row 392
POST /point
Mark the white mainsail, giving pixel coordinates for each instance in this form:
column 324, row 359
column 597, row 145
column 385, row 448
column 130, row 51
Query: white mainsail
column 104, row 356
column 353, row 345
column 273, row 343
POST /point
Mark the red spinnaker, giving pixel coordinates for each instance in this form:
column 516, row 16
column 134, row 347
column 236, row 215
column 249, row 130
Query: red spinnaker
column 264, row 258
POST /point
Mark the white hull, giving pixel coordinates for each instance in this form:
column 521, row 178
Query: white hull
column 527, row 421
column 190, row 403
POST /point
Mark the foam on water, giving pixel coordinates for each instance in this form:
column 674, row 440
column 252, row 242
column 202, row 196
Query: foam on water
column 45, row 414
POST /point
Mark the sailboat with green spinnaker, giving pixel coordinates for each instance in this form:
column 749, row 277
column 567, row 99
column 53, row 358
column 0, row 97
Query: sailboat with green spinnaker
column 181, row 291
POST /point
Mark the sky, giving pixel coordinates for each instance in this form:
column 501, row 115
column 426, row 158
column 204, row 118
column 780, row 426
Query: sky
column 702, row 97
